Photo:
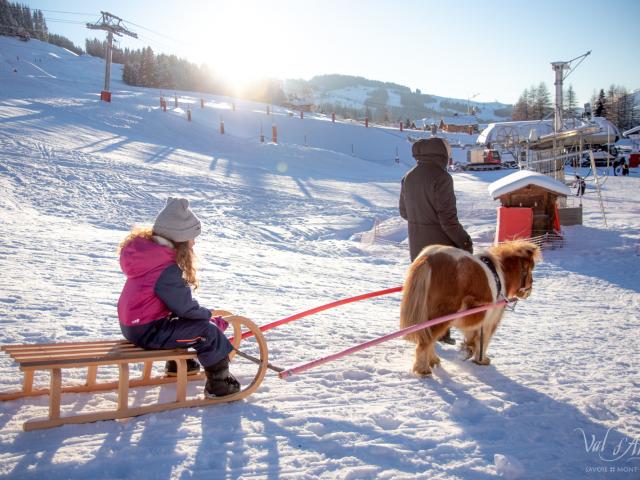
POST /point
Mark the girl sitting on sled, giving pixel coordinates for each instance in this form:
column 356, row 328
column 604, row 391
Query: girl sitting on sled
column 156, row 308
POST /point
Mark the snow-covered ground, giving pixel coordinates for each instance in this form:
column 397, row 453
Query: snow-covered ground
column 282, row 229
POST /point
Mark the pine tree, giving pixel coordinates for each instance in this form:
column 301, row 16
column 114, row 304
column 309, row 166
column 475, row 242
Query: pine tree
column 27, row 20
column 521, row 108
column 612, row 100
column 5, row 16
column 617, row 106
column 571, row 103
column 627, row 120
column 15, row 15
column 529, row 97
column 39, row 26
column 45, row 29
column 148, row 68
column 128, row 74
column 542, row 103
column 635, row 109
column 622, row 108
column 96, row 48
column 600, row 109
column 64, row 42
column 165, row 76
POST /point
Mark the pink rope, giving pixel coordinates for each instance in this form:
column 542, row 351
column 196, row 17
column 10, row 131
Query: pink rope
column 399, row 333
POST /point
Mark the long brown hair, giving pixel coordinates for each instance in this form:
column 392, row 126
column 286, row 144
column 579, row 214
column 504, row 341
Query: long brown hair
column 185, row 256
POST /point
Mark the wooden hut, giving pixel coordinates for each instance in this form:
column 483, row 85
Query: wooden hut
column 459, row 124
column 529, row 205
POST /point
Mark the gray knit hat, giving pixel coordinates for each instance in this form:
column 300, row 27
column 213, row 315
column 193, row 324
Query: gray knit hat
column 176, row 221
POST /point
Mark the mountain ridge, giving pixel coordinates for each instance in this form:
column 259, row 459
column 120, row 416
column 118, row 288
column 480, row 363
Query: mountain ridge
column 386, row 102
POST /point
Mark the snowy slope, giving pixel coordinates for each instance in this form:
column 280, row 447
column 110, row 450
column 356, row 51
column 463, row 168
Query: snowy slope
column 487, row 111
column 281, row 229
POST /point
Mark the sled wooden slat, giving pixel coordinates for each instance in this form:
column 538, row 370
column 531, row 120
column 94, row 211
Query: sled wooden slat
column 74, row 351
column 54, row 346
column 70, row 349
column 55, row 357
column 32, row 361
column 71, row 361
column 44, row 356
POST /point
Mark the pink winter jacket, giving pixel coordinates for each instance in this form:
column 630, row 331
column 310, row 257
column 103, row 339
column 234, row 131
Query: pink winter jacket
column 142, row 261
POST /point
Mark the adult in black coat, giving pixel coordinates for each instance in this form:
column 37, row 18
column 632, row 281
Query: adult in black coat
column 428, row 202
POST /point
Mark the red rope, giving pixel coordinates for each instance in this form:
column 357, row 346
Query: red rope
column 337, row 303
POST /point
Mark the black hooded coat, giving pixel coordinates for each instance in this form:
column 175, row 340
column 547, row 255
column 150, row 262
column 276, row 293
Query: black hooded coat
column 428, row 202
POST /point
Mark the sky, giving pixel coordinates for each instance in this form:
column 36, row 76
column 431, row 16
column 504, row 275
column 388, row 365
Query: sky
column 487, row 51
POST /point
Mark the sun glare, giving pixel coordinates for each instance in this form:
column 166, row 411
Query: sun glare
column 235, row 42
column 247, row 41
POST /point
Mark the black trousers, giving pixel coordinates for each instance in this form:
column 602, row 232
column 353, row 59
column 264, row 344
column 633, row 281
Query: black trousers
column 203, row 336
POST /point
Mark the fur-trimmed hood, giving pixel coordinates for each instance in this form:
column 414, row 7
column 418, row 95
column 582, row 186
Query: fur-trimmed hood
column 141, row 256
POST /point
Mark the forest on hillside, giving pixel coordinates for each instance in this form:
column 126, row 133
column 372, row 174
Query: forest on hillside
column 19, row 19
column 616, row 104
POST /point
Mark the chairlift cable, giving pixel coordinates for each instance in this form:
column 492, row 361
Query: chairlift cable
column 153, row 31
column 67, row 12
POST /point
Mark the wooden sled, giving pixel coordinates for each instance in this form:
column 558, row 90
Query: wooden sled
column 55, row 357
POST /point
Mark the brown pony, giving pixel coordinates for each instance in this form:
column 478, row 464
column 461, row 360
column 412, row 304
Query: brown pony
column 445, row 280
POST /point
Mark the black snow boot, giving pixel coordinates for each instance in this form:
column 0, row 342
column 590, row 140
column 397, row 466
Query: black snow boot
column 220, row 382
column 171, row 367
column 448, row 339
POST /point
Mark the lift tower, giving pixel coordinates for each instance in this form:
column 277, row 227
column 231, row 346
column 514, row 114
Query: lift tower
column 559, row 68
column 113, row 26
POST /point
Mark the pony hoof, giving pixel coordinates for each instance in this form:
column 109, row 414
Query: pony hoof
column 485, row 361
column 421, row 372
column 466, row 352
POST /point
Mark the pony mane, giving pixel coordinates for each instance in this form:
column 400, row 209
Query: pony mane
column 517, row 248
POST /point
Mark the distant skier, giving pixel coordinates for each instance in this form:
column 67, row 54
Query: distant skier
column 625, row 168
column 580, row 185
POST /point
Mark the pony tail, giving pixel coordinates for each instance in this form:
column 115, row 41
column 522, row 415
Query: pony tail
column 415, row 306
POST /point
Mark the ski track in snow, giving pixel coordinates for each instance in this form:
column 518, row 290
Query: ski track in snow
column 280, row 223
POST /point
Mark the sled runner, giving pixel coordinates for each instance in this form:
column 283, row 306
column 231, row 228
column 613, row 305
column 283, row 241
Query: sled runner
column 56, row 357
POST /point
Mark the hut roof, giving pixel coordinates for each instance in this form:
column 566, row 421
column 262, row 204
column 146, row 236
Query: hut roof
column 460, row 120
column 523, row 178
